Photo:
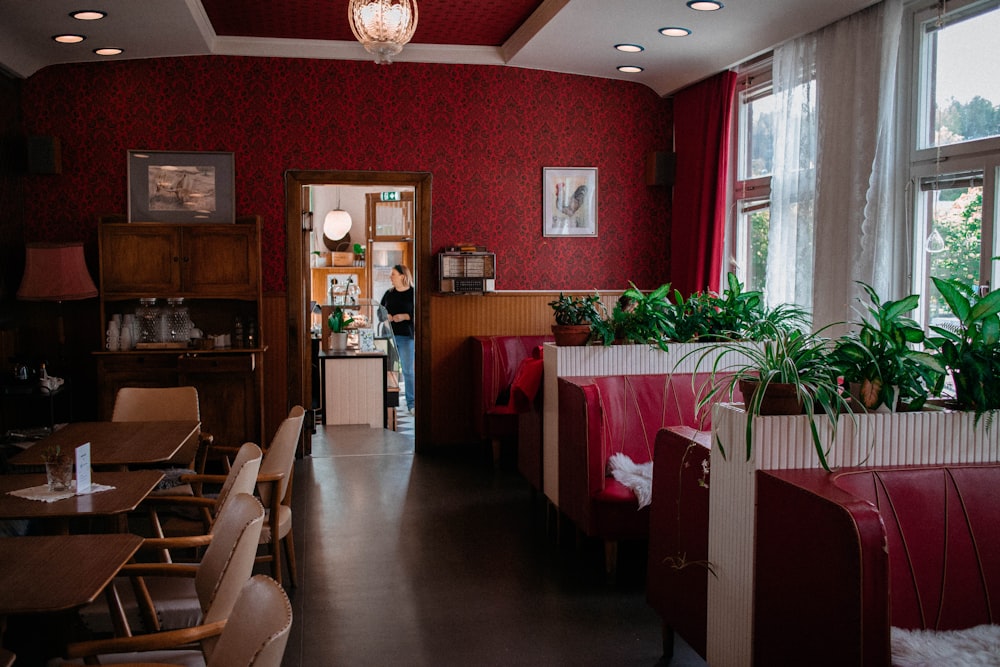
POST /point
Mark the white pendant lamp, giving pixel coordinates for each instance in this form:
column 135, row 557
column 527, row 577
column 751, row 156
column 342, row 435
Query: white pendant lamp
column 337, row 223
column 383, row 26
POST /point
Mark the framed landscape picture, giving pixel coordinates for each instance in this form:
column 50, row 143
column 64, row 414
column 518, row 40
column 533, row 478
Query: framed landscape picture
column 569, row 201
column 180, row 187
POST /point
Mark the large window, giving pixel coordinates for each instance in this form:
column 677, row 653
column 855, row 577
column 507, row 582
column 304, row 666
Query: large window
column 956, row 148
column 754, row 164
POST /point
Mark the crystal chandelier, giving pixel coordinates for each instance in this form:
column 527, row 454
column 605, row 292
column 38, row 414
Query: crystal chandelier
column 383, row 26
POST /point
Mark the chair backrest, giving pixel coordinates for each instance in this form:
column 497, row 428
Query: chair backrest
column 242, row 475
column 280, row 455
column 138, row 404
column 257, row 630
column 229, row 558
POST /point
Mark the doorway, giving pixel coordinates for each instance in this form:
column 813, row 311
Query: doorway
column 299, row 224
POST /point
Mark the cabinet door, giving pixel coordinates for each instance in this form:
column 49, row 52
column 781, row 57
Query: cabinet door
column 221, row 261
column 227, row 395
column 140, row 260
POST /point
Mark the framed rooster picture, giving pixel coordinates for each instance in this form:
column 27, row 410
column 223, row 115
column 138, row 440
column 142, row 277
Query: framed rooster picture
column 569, row 201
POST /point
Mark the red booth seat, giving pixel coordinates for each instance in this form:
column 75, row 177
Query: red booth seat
column 507, row 396
column 677, row 569
column 841, row 557
column 601, row 416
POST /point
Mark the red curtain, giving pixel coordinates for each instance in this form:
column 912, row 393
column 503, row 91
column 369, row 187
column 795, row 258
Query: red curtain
column 701, row 140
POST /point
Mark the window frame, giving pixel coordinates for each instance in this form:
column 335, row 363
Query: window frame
column 936, row 161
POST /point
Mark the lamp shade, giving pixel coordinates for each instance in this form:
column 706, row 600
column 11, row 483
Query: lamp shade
column 55, row 272
column 383, row 26
column 336, row 225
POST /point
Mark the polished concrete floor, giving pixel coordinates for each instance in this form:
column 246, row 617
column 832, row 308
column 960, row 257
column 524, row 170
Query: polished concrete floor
column 442, row 559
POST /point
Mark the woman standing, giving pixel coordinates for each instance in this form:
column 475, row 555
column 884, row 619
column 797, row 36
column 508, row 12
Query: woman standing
column 398, row 302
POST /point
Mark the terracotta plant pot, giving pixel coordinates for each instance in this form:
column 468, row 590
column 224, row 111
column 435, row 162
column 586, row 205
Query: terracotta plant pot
column 571, row 334
column 779, row 398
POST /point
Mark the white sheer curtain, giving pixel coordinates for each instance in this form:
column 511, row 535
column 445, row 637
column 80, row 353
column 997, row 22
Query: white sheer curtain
column 833, row 206
column 793, row 184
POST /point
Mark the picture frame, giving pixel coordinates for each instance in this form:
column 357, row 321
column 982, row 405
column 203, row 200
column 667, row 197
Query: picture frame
column 569, row 201
column 179, row 186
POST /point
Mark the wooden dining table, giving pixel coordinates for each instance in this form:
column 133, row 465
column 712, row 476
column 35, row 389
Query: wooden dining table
column 130, row 488
column 53, row 574
column 115, row 445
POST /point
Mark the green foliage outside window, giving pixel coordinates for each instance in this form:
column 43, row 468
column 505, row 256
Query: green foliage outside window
column 961, row 232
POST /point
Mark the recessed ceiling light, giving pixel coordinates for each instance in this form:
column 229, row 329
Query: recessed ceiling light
column 629, row 48
column 674, row 31
column 108, row 51
column 704, row 5
column 69, row 39
column 88, row 15
column 630, row 69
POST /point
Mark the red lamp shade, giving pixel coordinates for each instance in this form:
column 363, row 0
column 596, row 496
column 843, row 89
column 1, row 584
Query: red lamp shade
column 55, row 272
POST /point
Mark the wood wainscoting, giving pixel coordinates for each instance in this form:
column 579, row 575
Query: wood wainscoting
column 454, row 319
column 274, row 334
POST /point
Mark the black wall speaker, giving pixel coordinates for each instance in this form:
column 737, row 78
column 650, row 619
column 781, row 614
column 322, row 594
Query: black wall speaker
column 44, row 155
column 660, row 167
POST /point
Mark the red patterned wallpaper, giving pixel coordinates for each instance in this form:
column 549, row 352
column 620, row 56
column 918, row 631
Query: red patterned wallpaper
column 483, row 132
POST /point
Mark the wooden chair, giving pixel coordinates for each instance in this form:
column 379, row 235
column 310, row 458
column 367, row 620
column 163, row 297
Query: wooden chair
column 241, row 478
column 136, row 404
column 255, row 635
column 169, row 596
column 274, row 486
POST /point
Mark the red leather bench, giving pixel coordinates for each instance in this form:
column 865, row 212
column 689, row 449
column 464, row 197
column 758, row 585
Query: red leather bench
column 598, row 417
column 677, row 569
column 841, row 557
column 506, row 407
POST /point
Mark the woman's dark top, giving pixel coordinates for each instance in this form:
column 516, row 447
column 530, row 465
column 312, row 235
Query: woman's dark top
column 400, row 302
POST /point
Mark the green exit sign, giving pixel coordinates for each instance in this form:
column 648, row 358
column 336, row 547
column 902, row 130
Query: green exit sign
column 390, row 196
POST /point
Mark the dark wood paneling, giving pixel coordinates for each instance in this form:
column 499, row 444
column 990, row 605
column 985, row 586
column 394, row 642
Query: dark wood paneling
column 275, row 336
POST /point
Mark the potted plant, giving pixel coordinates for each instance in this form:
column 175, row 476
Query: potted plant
column 878, row 363
column 320, row 258
column 787, row 372
column 972, row 351
column 637, row 317
column 339, row 321
column 574, row 316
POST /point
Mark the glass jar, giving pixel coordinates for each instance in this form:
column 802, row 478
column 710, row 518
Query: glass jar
column 147, row 316
column 178, row 321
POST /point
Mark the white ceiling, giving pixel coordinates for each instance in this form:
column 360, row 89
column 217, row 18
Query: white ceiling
column 572, row 36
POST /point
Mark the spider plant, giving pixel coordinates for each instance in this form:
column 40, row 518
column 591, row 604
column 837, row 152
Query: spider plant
column 801, row 361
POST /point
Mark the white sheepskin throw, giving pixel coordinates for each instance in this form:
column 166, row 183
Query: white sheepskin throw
column 973, row 647
column 636, row 476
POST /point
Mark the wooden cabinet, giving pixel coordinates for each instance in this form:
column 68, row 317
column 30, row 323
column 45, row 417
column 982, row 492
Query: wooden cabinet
column 216, row 269
column 186, row 260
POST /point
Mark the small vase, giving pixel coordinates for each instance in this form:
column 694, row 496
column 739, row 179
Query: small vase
column 59, row 474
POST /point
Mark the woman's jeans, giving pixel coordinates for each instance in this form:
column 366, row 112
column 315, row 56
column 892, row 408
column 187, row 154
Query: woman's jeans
column 405, row 346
